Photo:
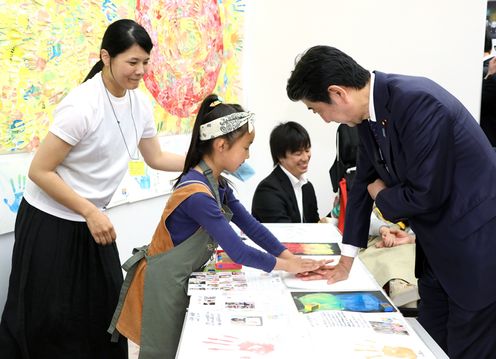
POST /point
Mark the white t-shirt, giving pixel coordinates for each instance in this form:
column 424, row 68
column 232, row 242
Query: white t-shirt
column 98, row 159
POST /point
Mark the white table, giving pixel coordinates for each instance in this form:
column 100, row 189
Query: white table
column 263, row 321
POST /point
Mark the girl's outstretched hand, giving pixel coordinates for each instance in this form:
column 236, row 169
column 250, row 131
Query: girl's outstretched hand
column 332, row 274
column 295, row 264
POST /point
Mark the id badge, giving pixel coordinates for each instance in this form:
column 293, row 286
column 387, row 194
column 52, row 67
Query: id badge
column 136, row 168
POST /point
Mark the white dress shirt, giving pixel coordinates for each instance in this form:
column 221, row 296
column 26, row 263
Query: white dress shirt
column 297, row 183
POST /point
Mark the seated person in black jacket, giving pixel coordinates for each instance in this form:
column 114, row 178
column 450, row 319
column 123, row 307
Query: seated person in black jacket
column 488, row 102
column 285, row 196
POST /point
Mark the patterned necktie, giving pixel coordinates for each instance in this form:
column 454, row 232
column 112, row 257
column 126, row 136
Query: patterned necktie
column 380, row 137
column 379, row 134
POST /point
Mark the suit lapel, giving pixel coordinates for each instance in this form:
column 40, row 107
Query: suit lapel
column 288, row 189
column 381, row 99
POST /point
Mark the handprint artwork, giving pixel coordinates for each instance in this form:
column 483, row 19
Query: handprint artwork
column 18, row 188
column 234, row 344
column 13, row 179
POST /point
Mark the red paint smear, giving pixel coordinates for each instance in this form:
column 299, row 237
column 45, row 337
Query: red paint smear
column 179, row 81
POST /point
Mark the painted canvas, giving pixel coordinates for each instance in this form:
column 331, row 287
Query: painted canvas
column 328, row 249
column 360, row 301
column 47, row 48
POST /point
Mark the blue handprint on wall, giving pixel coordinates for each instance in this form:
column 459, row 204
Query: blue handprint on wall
column 143, row 181
column 17, row 191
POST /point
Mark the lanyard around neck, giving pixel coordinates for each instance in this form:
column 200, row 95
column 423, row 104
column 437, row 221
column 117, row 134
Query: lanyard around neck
column 135, row 158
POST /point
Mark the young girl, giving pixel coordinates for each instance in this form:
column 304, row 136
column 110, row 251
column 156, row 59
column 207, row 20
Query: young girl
column 66, row 273
column 196, row 219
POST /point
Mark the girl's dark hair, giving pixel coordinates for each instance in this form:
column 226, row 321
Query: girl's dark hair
column 120, row 36
column 208, row 112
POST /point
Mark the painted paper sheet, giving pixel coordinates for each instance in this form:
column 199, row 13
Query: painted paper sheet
column 313, row 249
column 357, row 301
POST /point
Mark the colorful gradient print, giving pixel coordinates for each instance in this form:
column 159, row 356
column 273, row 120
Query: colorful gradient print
column 328, row 249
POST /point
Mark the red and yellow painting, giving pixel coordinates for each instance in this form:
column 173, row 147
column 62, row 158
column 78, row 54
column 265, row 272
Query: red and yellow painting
column 314, row 249
column 47, row 47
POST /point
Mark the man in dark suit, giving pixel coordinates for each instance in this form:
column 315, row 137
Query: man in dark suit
column 286, row 196
column 423, row 157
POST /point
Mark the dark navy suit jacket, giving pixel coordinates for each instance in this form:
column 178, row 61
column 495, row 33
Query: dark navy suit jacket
column 440, row 170
column 274, row 200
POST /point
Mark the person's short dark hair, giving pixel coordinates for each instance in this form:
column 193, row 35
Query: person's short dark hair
column 320, row 67
column 288, row 137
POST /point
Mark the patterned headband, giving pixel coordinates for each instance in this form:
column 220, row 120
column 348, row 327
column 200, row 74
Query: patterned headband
column 225, row 124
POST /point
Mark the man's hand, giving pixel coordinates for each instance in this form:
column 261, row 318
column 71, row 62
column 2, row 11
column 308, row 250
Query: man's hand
column 333, row 274
column 288, row 262
column 375, row 187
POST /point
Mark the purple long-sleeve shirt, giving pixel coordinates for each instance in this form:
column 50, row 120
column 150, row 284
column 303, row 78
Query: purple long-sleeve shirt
column 202, row 210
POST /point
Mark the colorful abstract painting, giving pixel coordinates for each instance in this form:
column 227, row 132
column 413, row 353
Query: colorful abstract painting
column 328, row 249
column 369, row 301
column 48, row 46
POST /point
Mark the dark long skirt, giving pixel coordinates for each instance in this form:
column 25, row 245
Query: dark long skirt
column 63, row 290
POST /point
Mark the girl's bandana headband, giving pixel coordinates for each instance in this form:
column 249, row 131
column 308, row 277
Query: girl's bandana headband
column 225, row 124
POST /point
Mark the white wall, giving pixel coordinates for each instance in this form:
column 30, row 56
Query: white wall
column 440, row 39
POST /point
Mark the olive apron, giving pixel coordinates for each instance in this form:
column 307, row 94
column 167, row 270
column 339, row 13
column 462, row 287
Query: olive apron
column 153, row 299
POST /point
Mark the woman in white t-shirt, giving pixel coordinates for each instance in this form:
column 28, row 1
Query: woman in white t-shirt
column 66, row 273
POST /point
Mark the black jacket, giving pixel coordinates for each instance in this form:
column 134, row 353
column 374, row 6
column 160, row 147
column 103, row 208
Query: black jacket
column 488, row 108
column 274, row 200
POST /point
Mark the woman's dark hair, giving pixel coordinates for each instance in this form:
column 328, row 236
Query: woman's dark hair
column 208, row 112
column 120, row 36
column 288, row 137
column 320, row 67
